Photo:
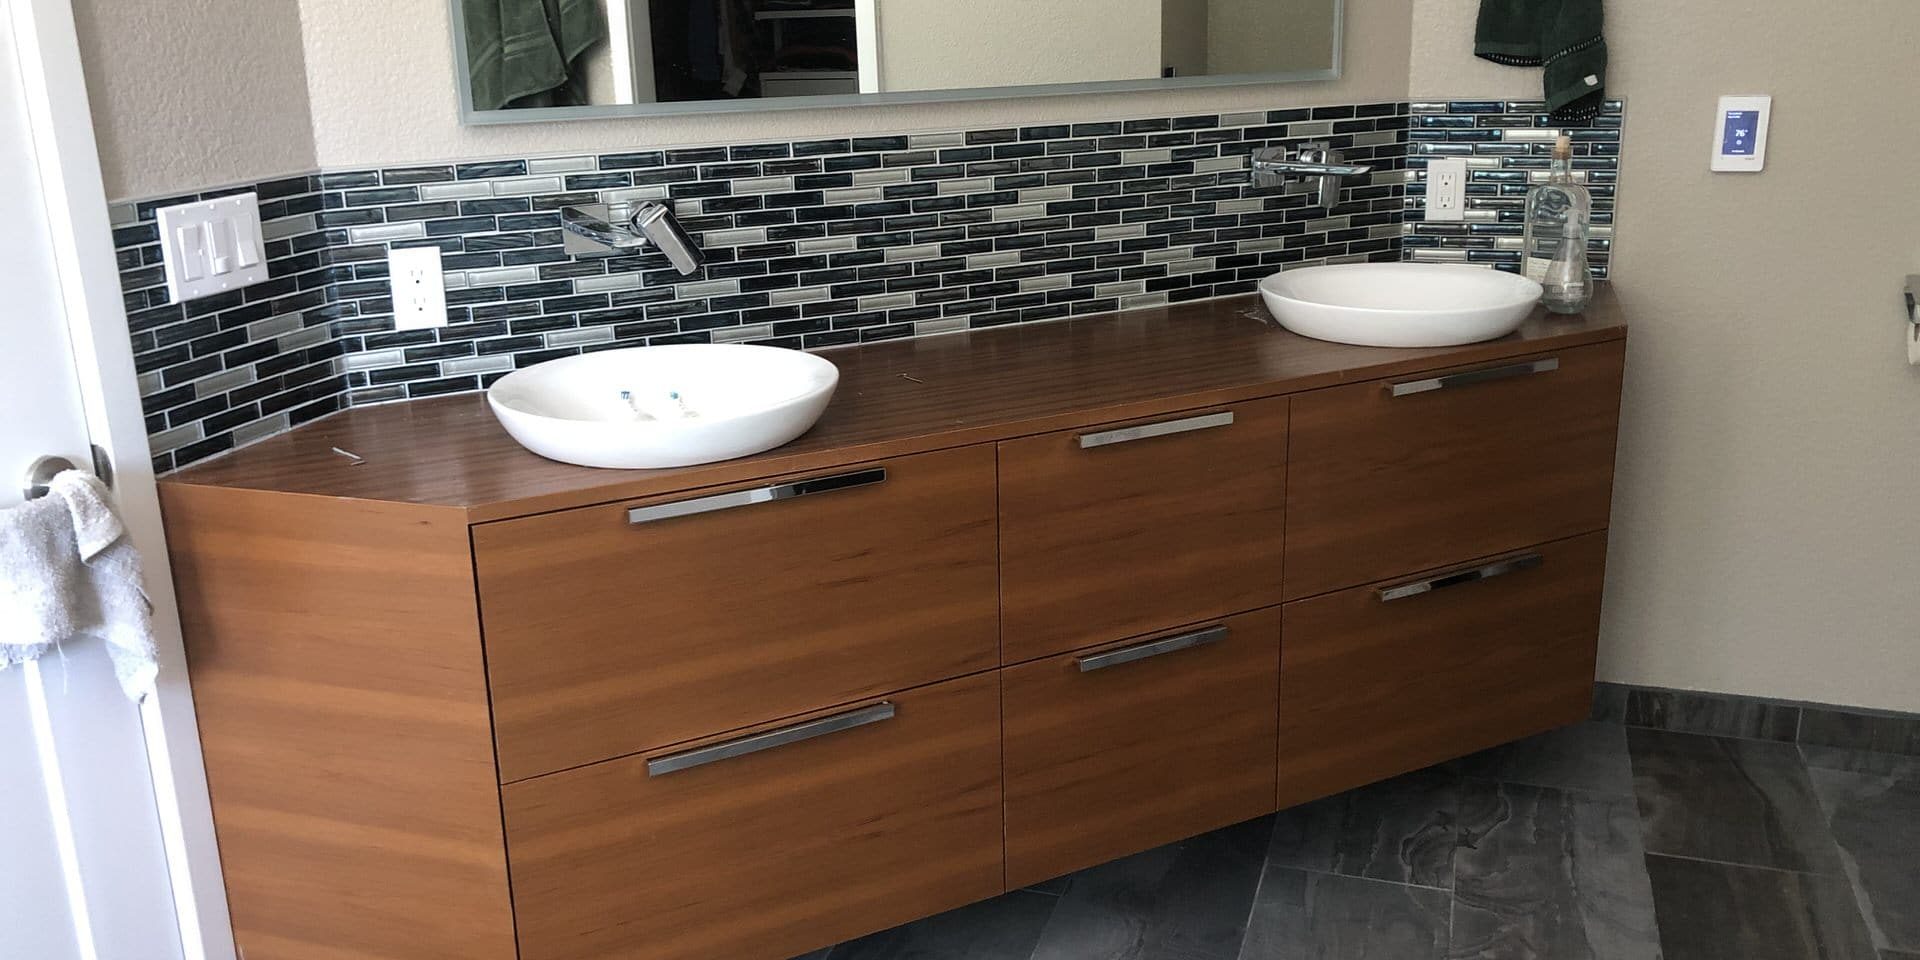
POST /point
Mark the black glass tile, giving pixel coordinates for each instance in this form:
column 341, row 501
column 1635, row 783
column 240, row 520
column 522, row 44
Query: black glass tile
column 427, row 174
column 488, row 169
column 815, row 148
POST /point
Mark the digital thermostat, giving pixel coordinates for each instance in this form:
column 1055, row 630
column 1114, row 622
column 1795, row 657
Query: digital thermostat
column 1740, row 134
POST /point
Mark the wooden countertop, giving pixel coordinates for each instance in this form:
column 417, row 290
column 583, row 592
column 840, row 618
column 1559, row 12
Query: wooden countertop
column 895, row 398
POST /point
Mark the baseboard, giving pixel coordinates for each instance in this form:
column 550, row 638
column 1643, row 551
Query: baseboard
column 1757, row 718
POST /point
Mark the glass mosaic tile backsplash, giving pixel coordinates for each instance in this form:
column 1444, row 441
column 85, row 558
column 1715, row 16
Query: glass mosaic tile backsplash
column 809, row 244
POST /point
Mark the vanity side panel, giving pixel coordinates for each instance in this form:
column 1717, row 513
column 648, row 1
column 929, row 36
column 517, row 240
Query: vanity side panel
column 334, row 652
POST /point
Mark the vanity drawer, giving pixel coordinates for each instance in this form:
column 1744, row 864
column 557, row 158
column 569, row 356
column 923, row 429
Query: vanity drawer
column 615, row 629
column 1381, row 680
column 1119, row 748
column 1125, row 529
column 1395, row 476
column 877, row 814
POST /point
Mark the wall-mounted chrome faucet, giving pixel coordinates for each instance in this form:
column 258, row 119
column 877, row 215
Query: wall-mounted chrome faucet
column 602, row 230
column 1273, row 167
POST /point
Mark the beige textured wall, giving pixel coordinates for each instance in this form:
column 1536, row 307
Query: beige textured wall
column 1767, row 514
column 1183, row 36
column 376, row 100
column 195, row 93
column 942, row 45
column 1259, row 36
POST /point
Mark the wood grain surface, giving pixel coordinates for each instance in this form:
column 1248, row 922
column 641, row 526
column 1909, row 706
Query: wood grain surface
column 606, row 638
column 894, row 398
column 334, row 649
column 1372, row 689
column 1380, row 485
column 1109, row 762
column 1121, row 540
column 769, row 855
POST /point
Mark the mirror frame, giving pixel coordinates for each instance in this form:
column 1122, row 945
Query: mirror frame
column 472, row 117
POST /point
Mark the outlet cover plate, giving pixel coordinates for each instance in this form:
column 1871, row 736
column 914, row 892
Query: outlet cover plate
column 1446, row 189
column 211, row 246
column 419, row 288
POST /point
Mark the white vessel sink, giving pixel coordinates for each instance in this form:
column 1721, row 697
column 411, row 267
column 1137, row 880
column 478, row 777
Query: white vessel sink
column 669, row 406
column 1400, row 304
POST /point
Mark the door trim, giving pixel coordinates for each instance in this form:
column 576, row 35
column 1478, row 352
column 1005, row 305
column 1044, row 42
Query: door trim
column 60, row 119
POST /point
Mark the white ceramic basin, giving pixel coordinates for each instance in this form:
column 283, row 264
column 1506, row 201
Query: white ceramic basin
column 669, row 406
column 1400, row 304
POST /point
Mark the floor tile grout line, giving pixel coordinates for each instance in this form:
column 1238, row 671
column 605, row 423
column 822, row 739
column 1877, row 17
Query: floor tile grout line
column 1347, row 876
column 1582, row 791
column 1646, row 872
column 1246, row 925
column 1703, row 733
column 1849, row 866
column 1745, row 866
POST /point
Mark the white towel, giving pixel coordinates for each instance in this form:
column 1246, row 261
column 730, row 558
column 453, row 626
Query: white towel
column 68, row 571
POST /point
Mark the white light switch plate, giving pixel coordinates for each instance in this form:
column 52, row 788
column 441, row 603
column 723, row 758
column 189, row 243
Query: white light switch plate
column 419, row 288
column 211, row 246
column 1446, row 189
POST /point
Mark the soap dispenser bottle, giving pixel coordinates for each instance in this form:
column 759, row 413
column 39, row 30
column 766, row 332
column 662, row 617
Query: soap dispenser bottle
column 1554, row 249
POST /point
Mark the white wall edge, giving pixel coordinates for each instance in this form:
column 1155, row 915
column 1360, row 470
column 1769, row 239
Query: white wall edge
column 76, row 203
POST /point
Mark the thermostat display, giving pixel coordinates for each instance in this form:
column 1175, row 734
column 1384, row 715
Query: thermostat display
column 1743, row 128
column 1740, row 137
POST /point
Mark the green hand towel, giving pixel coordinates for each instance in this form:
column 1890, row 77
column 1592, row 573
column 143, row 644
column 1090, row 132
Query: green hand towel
column 521, row 52
column 1562, row 35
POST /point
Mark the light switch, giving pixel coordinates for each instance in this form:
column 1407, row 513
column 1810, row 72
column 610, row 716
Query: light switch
column 211, row 246
column 191, row 241
column 247, row 249
column 220, row 246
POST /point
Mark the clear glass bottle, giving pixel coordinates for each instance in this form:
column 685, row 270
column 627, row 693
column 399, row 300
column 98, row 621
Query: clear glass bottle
column 1559, row 213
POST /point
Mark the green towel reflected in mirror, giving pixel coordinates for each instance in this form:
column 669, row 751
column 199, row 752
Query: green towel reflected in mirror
column 526, row 53
column 1564, row 36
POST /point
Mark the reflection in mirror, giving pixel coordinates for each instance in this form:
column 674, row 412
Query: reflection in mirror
column 530, row 54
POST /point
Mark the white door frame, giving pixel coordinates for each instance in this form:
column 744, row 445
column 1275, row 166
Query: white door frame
column 866, row 27
column 76, row 203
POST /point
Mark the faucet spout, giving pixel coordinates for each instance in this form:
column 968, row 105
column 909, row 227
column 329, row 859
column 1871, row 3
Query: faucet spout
column 1317, row 163
column 656, row 223
column 588, row 232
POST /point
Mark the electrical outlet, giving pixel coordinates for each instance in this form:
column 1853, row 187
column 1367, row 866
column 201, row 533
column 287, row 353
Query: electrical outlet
column 419, row 289
column 1446, row 189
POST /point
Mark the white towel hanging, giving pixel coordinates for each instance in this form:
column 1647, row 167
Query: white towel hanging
column 68, row 571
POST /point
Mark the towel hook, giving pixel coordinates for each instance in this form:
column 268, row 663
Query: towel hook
column 42, row 473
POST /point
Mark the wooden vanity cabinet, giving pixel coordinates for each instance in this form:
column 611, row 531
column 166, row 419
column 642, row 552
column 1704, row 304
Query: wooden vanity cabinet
column 1393, row 476
column 888, row 813
column 1125, row 528
column 986, row 624
column 1125, row 746
column 1383, row 679
column 620, row 628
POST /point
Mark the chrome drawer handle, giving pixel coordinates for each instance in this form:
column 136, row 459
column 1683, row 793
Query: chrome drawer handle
column 785, row 736
column 1127, row 434
column 1152, row 648
column 1471, row 377
column 743, row 498
column 1477, row 574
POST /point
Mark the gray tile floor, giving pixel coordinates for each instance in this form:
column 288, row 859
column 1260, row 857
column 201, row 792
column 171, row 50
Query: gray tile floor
column 1597, row 841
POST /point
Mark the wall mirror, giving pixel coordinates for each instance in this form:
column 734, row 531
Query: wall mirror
column 525, row 60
